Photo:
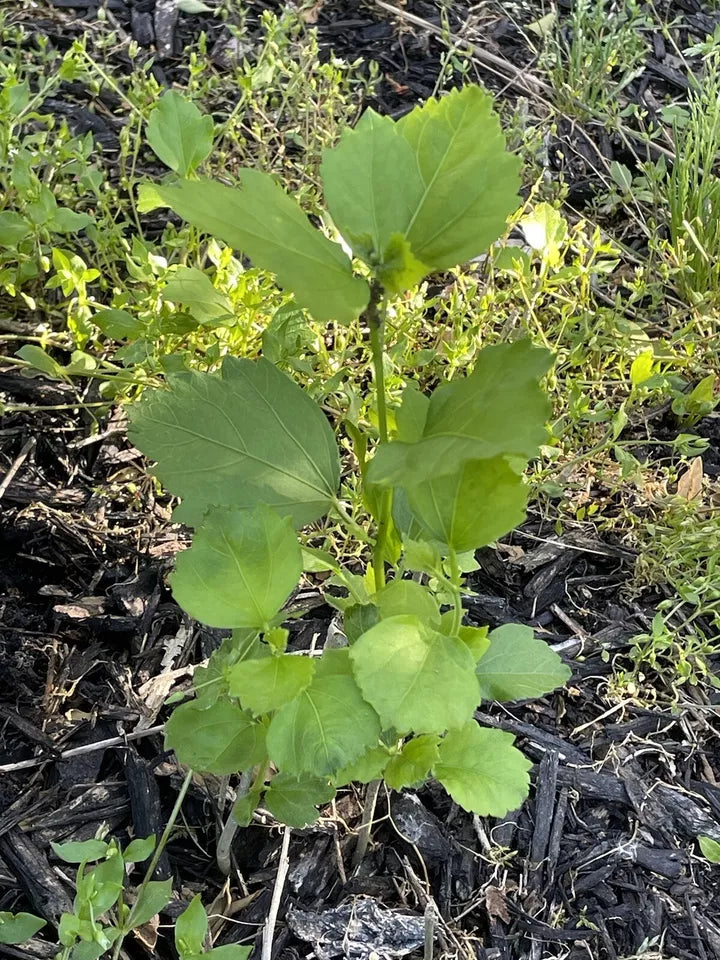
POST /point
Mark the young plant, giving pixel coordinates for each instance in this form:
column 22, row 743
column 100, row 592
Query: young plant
column 101, row 918
column 18, row 927
column 254, row 459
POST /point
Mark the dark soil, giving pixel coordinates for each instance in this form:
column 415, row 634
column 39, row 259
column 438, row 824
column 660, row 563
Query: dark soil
column 602, row 860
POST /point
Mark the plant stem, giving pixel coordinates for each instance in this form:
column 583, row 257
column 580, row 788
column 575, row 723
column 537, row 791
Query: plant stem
column 375, row 316
column 363, row 839
column 224, row 845
column 457, row 599
column 128, row 925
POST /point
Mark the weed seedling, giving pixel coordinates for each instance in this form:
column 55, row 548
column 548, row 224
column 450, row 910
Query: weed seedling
column 254, row 459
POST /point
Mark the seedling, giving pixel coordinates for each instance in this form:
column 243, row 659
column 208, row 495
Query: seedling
column 254, row 460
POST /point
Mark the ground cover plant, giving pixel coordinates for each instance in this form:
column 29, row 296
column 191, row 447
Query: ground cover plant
column 604, row 264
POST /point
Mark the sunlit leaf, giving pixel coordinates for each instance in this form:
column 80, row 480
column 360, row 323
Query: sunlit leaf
column 248, row 437
column 262, row 221
column 179, row 134
column 194, row 290
column 412, row 764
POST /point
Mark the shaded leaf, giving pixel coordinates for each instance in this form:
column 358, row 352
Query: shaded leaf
column 139, row 849
column 240, row 569
column 470, row 508
column 190, row 929
column 18, row 927
column 293, row 800
column 220, row 739
column 498, row 411
column 412, row 765
column 366, row 768
column 328, row 726
column 417, row 679
column 265, row 685
column 194, row 290
column 517, row 666
column 80, row 851
column 179, row 133
column 154, row 898
column 710, row 850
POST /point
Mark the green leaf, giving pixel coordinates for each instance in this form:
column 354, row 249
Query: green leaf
column 482, row 771
column 400, row 269
column 328, row 726
column 710, row 849
column 470, row 181
column 119, row 324
column 190, row 929
column 40, row 360
column 277, row 639
column 417, row 679
column 80, row 851
column 414, row 762
column 292, row 800
column 247, row 437
column 476, row 639
column 105, row 883
column 470, row 508
column 179, row 134
column 220, row 739
column 517, row 666
column 372, row 185
column 358, row 618
column 246, row 804
column 401, row 597
column 18, row 927
column 240, row 569
column 68, row 221
column 154, row 898
column 262, row 221
column 13, row 229
column 366, row 768
column 498, row 411
column 265, row 685
column 195, row 290
column 139, row 849
column 228, row 951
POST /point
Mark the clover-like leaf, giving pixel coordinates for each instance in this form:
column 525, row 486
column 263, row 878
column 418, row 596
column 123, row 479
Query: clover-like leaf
column 240, row 569
column 482, row 771
column 219, row 739
column 248, row 437
column 518, row 666
column 498, row 411
column 265, row 685
column 179, row 133
column 417, row 679
column 328, row 726
column 262, row 221
column 293, row 800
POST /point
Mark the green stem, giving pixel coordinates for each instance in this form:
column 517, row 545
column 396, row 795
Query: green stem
column 457, row 599
column 376, row 322
column 128, row 925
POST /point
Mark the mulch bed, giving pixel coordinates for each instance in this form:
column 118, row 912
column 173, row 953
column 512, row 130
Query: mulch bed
column 601, row 862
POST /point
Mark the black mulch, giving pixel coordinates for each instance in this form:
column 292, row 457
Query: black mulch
column 601, row 862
